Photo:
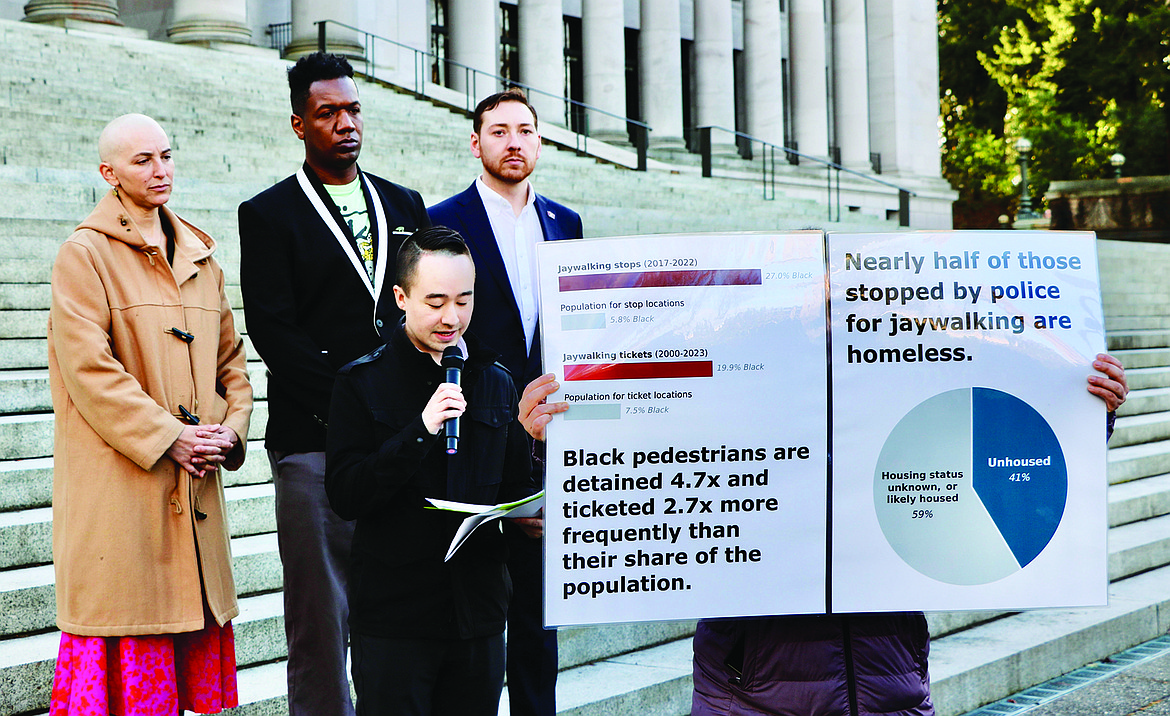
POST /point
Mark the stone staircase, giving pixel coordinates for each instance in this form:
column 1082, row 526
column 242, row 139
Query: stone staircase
column 227, row 116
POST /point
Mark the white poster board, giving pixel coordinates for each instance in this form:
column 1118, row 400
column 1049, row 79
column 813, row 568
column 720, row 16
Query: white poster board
column 691, row 475
column 969, row 459
column 687, row 478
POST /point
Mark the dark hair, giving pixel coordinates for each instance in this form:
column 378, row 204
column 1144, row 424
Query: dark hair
column 312, row 68
column 436, row 239
column 487, row 104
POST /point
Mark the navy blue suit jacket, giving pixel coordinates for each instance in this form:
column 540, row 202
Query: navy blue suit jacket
column 496, row 318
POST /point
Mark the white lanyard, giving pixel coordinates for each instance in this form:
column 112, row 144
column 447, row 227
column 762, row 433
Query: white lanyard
column 375, row 289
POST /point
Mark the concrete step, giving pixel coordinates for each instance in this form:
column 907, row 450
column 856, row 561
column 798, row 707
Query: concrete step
column 1141, row 358
column 28, row 484
column 35, row 240
column 27, row 390
column 1139, row 500
column 26, row 536
column 1139, row 547
column 991, row 661
column 24, row 296
column 1134, row 462
column 578, row 646
column 24, row 391
column 33, row 292
column 25, row 484
column 27, row 595
column 1137, row 429
column 1156, row 320
column 33, row 353
column 1133, row 301
column 29, row 436
column 1136, row 339
column 631, row 678
column 26, row 664
column 1143, row 378
column 26, row 436
column 24, row 324
column 648, row 681
column 1144, row 401
column 25, row 271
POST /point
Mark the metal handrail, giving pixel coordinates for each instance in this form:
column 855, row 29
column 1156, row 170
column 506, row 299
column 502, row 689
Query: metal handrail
column 769, row 172
column 279, row 35
column 420, row 62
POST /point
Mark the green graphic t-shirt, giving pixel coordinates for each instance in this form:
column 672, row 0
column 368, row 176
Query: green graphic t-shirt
column 352, row 203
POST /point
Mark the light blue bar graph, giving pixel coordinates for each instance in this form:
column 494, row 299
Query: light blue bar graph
column 594, row 411
column 583, row 322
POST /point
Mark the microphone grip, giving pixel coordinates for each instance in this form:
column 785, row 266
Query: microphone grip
column 451, row 425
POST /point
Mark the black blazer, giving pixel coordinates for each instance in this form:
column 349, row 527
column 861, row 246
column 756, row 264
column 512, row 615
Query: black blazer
column 307, row 308
column 496, row 319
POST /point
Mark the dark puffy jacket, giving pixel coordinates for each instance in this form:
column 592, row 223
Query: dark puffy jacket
column 843, row 665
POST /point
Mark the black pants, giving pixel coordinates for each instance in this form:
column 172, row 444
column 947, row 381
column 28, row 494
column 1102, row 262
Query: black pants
column 428, row 677
column 532, row 650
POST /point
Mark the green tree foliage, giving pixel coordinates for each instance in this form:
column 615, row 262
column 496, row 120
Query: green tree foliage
column 1082, row 79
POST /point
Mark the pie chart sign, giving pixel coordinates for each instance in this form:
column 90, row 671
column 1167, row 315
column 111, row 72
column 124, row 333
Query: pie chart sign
column 970, row 486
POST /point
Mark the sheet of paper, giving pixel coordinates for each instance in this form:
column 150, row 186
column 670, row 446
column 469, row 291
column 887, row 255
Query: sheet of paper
column 687, row 478
column 969, row 460
column 482, row 514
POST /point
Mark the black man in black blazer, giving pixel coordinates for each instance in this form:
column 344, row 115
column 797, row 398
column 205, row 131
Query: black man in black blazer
column 317, row 254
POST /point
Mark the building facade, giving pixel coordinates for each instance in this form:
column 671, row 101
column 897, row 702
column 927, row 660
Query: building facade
column 850, row 81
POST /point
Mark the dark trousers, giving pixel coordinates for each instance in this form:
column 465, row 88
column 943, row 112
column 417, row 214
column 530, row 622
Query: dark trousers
column 314, row 549
column 428, row 677
column 532, row 649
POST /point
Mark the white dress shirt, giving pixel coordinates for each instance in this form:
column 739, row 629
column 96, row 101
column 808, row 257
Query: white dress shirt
column 517, row 236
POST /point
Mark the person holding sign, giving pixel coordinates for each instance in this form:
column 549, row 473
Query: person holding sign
column 427, row 634
column 836, row 665
column 820, row 665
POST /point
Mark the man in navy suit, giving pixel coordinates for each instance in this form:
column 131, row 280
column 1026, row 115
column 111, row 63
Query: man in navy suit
column 502, row 218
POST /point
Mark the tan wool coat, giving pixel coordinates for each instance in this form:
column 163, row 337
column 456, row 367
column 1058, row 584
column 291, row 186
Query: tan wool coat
column 130, row 556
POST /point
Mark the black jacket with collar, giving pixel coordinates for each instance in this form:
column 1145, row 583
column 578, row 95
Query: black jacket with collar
column 380, row 465
column 308, row 312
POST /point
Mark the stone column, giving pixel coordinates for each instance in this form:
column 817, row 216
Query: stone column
column 542, row 56
column 806, row 19
column 603, row 40
column 714, row 72
column 56, row 12
column 405, row 22
column 208, row 21
column 851, row 83
column 473, row 39
column 763, row 74
column 903, row 86
column 660, row 73
column 305, row 15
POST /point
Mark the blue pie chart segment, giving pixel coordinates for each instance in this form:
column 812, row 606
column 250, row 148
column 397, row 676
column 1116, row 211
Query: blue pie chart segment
column 1019, row 471
column 970, row 486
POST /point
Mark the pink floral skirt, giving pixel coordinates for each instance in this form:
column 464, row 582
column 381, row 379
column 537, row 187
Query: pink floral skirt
column 146, row 675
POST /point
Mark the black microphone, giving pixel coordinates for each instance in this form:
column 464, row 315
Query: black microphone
column 453, row 362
